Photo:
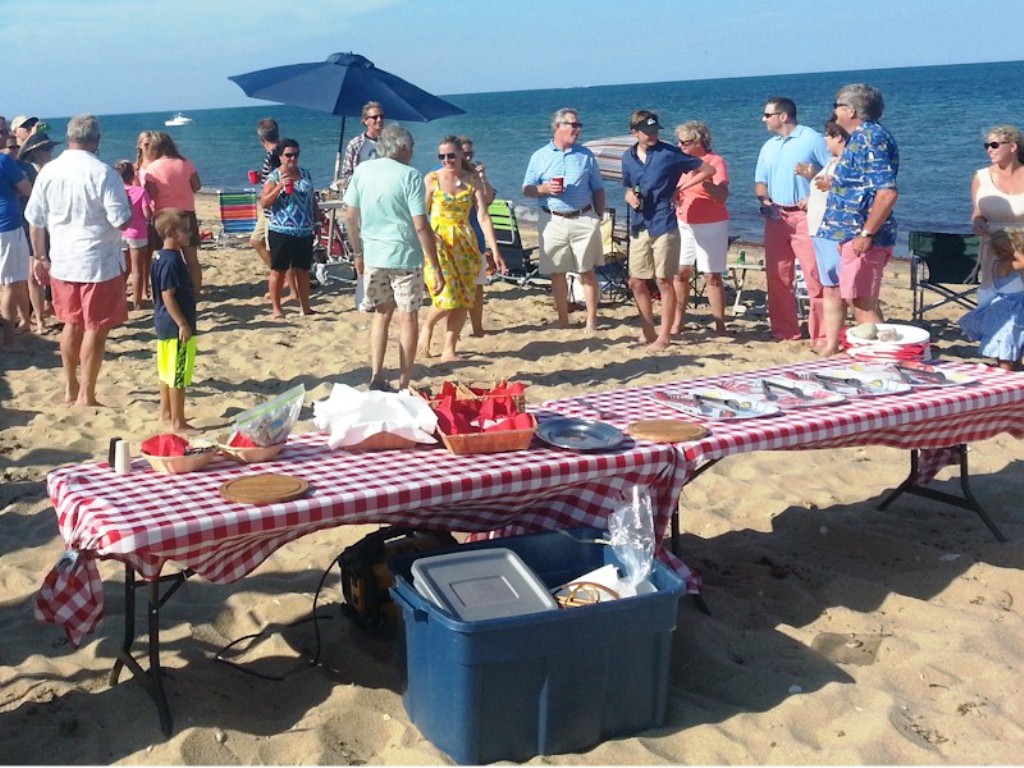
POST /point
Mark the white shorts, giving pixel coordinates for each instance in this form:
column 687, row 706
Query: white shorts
column 706, row 245
column 569, row 245
column 135, row 242
column 14, row 256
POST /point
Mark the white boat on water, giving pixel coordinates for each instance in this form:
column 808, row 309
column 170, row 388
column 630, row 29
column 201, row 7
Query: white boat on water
column 178, row 119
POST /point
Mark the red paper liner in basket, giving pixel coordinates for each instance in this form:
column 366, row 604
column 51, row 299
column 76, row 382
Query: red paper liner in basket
column 460, row 409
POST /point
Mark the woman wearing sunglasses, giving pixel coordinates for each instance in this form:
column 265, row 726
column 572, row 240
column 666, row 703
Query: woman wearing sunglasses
column 453, row 194
column 998, row 195
column 289, row 200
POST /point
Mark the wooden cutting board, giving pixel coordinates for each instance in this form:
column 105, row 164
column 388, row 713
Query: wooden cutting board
column 266, row 488
column 666, row 430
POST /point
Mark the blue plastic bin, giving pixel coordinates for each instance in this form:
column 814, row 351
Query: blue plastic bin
column 545, row 683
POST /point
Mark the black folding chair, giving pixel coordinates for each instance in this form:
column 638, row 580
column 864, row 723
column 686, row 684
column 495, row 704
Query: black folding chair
column 944, row 263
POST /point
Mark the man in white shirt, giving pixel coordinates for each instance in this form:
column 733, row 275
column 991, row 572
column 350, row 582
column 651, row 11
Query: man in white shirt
column 80, row 201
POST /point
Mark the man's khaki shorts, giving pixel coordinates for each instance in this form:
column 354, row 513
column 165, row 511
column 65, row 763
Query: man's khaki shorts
column 569, row 245
column 654, row 256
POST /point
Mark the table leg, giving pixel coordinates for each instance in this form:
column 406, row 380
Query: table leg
column 151, row 679
column 968, row 501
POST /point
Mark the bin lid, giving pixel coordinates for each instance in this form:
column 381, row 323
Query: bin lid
column 481, row 584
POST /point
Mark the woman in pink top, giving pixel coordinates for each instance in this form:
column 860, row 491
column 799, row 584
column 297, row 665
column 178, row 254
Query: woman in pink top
column 172, row 182
column 136, row 234
column 703, row 226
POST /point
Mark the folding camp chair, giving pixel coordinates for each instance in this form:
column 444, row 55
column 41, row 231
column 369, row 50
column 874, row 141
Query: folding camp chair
column 947, row 264
column 237, row 216
column 522, row 270
column 333, row 258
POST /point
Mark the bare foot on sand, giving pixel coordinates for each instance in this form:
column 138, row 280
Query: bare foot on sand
column 590, row 332
column 478, row 334
column 88, row 403
column 449, row 356
column 659, row 344
column 184, row 428
column 424, row 353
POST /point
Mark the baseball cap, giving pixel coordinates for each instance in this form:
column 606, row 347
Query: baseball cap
column 23, row 121
column 646, row 121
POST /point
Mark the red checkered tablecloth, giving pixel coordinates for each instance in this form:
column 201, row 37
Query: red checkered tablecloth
column 146, row 519
column 927, row 419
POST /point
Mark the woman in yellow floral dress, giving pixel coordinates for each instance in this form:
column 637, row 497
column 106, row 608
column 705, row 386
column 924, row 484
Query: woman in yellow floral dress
column 452, row 196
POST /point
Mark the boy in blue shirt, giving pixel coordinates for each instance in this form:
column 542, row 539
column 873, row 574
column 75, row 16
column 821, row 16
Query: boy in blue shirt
column 174, row 316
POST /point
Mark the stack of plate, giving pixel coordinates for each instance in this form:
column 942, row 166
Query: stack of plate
column 911, row 344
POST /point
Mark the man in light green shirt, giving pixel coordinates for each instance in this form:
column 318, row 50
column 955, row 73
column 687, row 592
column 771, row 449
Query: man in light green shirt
column 388, row 228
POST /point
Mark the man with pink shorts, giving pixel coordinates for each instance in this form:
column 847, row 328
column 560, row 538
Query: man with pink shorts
column 81, row 203
column 861, row 198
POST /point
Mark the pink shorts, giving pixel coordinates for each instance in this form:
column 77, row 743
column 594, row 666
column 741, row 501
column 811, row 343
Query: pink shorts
column 860, row 275
column 96, row 306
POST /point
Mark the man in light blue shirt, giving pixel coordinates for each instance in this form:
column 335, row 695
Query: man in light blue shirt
column 782, row 193
column 566, row 179
column 388, row 228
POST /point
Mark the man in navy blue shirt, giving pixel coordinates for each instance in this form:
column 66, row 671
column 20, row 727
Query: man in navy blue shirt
column 650, row 174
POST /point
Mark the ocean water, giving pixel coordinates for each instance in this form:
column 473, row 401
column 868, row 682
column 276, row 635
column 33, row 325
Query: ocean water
column 937, row 114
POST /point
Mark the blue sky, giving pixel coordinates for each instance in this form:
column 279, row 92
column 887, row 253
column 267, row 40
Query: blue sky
column 116, row 56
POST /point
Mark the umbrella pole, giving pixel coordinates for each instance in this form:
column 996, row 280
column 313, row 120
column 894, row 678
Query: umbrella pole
column 341, row 150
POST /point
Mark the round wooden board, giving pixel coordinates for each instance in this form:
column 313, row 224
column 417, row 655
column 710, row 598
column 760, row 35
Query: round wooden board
column 266, row 488
column 666, row 430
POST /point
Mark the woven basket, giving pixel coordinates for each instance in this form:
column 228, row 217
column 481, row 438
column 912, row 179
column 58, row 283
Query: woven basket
column 382, row 441
column 490, row 442
column 180, row 465
column 484, row 442
column 252, row 455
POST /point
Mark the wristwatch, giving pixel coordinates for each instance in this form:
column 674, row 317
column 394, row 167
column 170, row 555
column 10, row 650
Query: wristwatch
column 866, row 233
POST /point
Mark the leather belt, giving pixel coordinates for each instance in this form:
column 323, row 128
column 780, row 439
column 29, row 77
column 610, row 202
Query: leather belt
column 791, row 207
column 568, row 214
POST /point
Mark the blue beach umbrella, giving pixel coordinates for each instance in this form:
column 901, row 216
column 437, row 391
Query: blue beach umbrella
column 340, row 86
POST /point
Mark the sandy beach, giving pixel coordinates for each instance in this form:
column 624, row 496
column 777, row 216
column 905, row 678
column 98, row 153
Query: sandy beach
column 838, row 634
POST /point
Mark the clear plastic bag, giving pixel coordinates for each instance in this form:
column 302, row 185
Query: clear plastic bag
column 631, row 528
column 271, row 422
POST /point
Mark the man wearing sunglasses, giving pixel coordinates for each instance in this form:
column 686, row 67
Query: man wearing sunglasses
column 364, row 146
column 566, row 180
column 861, row 199
column 782, row 193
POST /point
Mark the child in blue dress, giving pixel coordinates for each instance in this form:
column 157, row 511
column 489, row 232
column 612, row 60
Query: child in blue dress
column 998, row 321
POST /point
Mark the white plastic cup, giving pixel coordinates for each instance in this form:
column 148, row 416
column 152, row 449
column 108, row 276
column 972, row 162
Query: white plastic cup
column 122, row 458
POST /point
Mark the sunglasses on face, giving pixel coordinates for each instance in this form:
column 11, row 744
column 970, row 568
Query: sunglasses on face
column 577, row 126
column 289, row 154
column 838, row 104
column 375, row 117
column 446, row 155
column 771, row 114
column 994, row 144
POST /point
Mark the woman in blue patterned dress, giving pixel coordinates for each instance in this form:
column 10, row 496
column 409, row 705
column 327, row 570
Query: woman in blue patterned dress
column 290, row 202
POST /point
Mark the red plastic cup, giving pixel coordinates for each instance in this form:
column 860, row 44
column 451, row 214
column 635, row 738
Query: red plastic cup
column 559, row 180
column 254, row 177
column 289, row 187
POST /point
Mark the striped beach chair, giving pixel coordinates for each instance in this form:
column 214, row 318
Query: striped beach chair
column 237, row 216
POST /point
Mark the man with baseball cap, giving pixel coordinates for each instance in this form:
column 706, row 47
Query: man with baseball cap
column 650, row 172
column 23, row 127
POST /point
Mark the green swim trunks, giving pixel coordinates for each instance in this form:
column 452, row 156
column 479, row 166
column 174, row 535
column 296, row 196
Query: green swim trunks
column 175, row 361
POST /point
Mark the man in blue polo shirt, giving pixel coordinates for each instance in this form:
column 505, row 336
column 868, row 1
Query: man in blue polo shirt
column 650, row 174
column 566, row 180
column 782, row 190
